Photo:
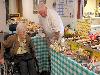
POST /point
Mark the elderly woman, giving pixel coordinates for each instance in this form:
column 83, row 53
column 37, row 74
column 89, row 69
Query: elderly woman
column 21, row 48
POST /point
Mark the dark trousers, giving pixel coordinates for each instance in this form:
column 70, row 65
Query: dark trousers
column 26, row 66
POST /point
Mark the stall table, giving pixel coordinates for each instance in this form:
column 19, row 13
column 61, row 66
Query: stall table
column 63, row 65
column 42, row 53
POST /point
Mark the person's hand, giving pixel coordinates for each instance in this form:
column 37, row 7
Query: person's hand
column 56, row 35
column 2, row 61
column 48, row 40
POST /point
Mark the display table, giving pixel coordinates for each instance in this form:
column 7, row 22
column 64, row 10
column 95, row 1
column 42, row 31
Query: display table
column 42, row 53
column 63, row 65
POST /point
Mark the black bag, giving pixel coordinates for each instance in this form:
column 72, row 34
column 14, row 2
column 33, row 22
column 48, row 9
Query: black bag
column 12, row 27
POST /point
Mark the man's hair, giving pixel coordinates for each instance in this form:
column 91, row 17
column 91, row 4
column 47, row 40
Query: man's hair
column 41, row 7
column 43, row 1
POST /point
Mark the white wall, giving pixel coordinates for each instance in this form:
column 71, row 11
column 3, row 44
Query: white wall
column 90, row 6
column 70, row 8
column 28, row 10
column 12, row 7
column 75, row 14
column 49, row 3
column 3, row 26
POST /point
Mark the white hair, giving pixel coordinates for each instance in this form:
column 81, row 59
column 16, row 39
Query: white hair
column 21, row 27
column 41, row 7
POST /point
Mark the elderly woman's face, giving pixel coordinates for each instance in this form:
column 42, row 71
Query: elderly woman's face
column 22, row 34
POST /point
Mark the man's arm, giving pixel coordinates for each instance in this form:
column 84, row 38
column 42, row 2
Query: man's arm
column 57, row 25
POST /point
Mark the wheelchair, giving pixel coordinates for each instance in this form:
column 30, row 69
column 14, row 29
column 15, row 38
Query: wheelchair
column 3, row 69
column 8, row 67
column 10, row 64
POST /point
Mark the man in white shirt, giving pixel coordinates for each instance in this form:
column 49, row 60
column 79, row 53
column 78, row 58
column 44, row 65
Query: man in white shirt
column 51, row 22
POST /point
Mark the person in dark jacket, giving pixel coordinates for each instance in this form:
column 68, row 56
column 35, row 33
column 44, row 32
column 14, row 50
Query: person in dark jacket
column 22, row 50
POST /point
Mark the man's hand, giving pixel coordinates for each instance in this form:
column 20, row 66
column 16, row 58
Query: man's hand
column 56, row 35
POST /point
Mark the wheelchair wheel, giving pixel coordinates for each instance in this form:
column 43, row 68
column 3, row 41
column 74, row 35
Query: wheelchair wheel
column 7, row 69
column 3, row 70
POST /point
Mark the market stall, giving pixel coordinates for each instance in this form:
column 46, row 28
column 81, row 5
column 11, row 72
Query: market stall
column 78, row 53
column 63, row 65
column 75, row 54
